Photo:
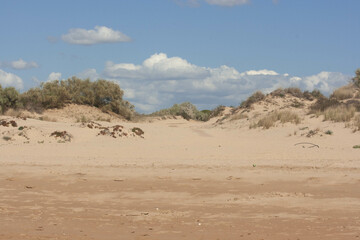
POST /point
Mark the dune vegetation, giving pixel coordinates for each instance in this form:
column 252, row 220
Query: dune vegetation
column 102, row 94
column 341, row 106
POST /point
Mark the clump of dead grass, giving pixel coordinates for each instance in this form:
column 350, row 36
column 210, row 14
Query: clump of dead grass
column 47, row 119
column 239, row 116
column 356, row 123
column 270, row 119
column 345, row 92
column 339, row 113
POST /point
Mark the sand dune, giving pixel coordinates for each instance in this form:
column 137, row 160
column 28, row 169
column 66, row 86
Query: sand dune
column 179, row 179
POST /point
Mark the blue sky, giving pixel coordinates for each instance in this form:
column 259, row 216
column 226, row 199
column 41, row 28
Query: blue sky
column 162, row 52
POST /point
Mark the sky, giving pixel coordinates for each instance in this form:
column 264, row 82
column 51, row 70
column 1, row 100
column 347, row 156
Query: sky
column 162, row 52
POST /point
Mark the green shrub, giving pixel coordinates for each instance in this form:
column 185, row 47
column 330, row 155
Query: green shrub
column 32, row 100
column 102, row 94
column 9, row 98
column 329, row 132
column 203, row 115
column 54, row 94
column 186, row 109
column 81, row 91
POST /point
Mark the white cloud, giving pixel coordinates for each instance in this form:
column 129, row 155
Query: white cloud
column 227, row 3
column 100, row 34
column 158, row 66
column 10, row 79
column 54, row 76
column 262, row 72
column 160, row 81
column 89, row 73
column 326, row 82
column 19, row 64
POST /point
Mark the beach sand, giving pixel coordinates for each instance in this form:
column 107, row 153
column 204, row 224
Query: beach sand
column 180, row 180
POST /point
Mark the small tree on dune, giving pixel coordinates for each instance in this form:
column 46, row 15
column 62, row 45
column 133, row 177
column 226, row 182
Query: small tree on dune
column 356, row 79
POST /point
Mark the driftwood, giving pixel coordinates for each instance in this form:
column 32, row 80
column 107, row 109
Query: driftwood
column 309, row 143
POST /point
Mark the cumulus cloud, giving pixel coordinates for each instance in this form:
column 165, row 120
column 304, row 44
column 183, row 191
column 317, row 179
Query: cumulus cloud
column 227, row 3
column 54, row 76
column 88, row 73
column 20, row 64
column 100, row 34
column 160, row 81
column 324, row 81
column 261, row 72
column 158, row 66
column 10, row 80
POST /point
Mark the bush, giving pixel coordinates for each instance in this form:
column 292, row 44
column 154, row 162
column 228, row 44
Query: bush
column 278, row 93
column 217, row 111
column 323, row 103
column 32, row 100
column 340, row 113
column 296, row 92
column 315, row 94
column 9, row 98
column 102, row 94
column 203, row 115
column 255, row 97
column 344, row 92
column 54, row 94
column 186, row 109
column 270, row 119
column 356, row 79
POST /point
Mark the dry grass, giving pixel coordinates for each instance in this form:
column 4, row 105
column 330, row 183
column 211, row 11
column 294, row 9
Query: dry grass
column 86, row 119
column 340, row 113
column 357, row 123
column 270, row 120
column 47, row 119
column 239, row 116
column 18, row 113
column 344, row 92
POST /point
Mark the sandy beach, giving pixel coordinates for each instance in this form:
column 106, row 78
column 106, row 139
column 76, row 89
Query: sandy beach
column 179, row 180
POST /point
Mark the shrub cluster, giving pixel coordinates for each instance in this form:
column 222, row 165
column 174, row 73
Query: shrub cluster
column 281, row 92
column 9, row 98
column 189, row 111
column 103, row 94
column 323, row 103
column 296, row 92
column 254, row 98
